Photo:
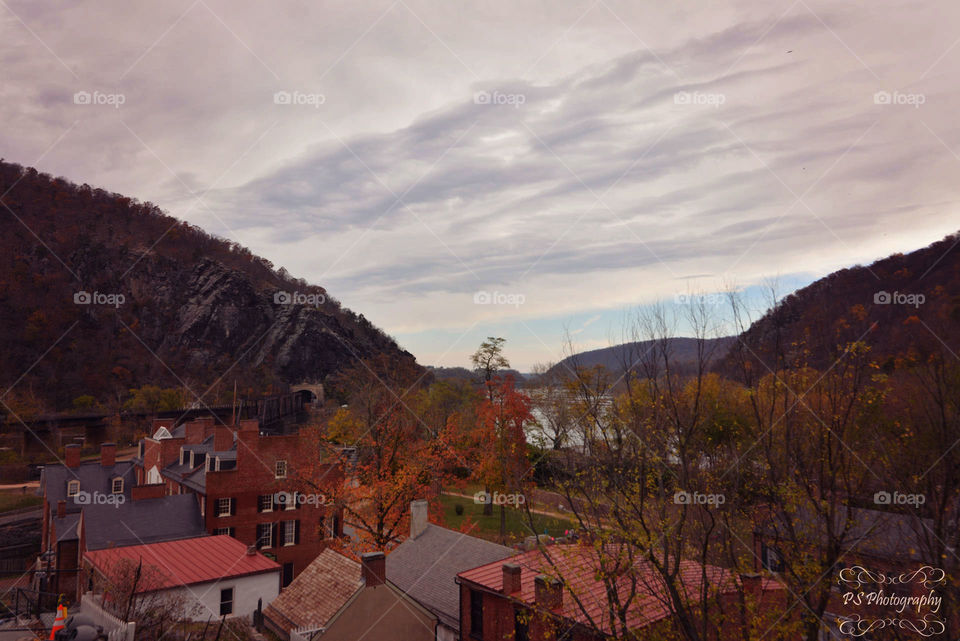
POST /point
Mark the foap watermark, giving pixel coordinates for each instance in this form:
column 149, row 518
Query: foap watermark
column 898, row 498
column 699, row 98
column 98, row 498
column 99, row 98
column 98, row 298
column 298, row 298
column 696, row 498
column 497, row 98
column 898, row 298
column 499, row 498
column 699, row 299
column 897, row 98
column 484, row 297
column 299, row 98
column 296, row 499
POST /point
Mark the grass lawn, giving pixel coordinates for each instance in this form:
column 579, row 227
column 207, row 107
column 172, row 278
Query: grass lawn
column 518, row 525
column 15, row 499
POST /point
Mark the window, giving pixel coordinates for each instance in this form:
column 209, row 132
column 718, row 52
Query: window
column 476, row 613
column 291, row 532
column 280, row 470
column 226, row 507
column 264, row 535
column 73, row 488
column 265, row 503
column 226, row 601
column 224, row 530
column 291, row 503
column 181, row 456
column 117, row 486
column 521, row 627
column 287, row 575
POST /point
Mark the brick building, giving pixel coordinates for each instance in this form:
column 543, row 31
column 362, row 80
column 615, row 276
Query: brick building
column 244, row 485
column 521, row 598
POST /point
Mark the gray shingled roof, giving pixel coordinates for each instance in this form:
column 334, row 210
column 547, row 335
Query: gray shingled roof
column 93, row 477
column 66, row 528
column 144, row 521
column 426, row 568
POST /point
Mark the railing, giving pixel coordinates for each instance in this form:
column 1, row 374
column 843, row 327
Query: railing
column 26, row 602
column 304, row 634
column 114, row 628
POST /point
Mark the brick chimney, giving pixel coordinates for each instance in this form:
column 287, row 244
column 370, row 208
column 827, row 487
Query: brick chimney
column 752, row 585
column 194, row 432
column 373, row 568
column 418, row 517
column 222, row 438
column 61, row 509
column 71, row 455
column 151, row 491
column 548, row 592
column 108, row 454
column 511, row 578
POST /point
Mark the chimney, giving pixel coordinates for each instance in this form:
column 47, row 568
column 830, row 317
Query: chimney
column 222, row 438
column 511, row 578
column 373, row 568
column 61, row 509
column 548, row 592
column 193, row 432
column 71, row 455
column 752, row 585
column 418, row 517
column 108, row 454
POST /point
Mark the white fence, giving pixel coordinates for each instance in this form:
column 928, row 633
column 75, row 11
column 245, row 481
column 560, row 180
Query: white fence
column 303, row 634
column 114, row 628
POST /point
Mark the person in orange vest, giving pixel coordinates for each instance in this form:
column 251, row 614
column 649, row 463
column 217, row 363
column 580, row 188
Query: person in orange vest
column 60, row 621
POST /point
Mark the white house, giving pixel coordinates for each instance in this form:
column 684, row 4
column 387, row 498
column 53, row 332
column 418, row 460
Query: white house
column 212, row 575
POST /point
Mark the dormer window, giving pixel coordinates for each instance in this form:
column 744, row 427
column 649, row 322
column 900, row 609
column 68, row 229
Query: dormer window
column 280, row 470
column 182, row 452
column 117, row 486
column 73, row 488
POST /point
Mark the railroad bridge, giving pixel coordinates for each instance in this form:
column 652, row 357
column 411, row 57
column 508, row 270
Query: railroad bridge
column 277, row 414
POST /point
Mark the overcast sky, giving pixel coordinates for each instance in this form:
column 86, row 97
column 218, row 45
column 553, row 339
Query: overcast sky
column 572, row 160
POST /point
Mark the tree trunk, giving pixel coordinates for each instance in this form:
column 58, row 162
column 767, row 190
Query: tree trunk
column 503, row 523
column 488, row 506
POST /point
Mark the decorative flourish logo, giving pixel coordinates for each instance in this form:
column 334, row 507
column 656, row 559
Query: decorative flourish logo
column 908, row 592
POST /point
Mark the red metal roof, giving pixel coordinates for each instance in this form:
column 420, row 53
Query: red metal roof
column 577, row 565
column 184, row 562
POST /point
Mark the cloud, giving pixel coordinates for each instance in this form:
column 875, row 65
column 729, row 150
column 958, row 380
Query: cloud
column 589, row 158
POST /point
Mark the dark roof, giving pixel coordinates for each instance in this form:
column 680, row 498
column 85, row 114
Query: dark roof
column 318, row 593
column 197, row 480
column 426, row 568
column 66, row 528
column 93, row 477
column 144, row 521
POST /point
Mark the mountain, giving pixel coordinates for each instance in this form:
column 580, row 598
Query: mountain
column 100, row 294
column 905, row 303
column 683, row 354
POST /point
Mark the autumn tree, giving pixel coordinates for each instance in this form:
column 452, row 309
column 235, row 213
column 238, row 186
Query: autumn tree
column 389, row 456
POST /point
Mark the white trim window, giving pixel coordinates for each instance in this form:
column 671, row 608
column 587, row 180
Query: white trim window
column 289, row 532
column 280, row 470
column 73, row 488
column 264, row 535
column 223, row 507
column 116, row 487
column 265, row 503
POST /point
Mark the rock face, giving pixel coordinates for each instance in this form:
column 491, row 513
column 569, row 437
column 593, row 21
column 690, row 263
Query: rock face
column 195, row 311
